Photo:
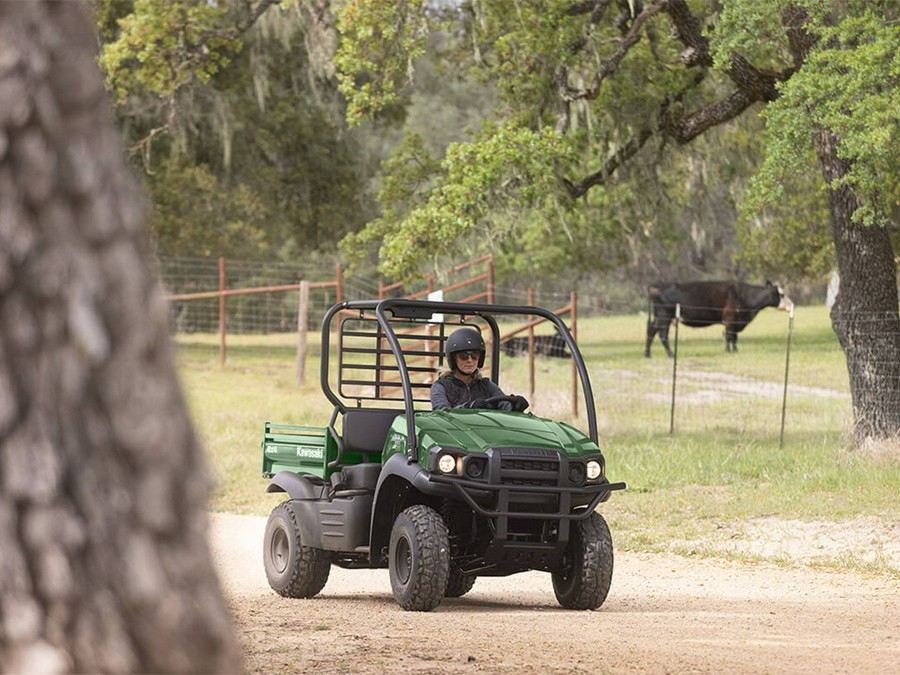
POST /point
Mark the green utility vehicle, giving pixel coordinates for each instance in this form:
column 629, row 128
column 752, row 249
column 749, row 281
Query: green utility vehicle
column 437, row 497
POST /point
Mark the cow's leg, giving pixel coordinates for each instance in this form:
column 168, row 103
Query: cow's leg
column 730, row 340
column 651, row 332
column 664, row 337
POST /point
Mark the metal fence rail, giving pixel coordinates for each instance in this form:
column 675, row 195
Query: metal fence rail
column 789, row 376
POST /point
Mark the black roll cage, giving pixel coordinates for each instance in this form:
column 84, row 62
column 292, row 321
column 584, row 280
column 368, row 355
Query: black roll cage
column 424, row 310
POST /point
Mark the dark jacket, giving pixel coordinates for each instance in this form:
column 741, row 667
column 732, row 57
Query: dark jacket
column 449, row 392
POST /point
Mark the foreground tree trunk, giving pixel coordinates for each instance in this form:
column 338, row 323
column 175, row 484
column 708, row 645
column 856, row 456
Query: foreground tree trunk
column 104, row 565
column 865, row 315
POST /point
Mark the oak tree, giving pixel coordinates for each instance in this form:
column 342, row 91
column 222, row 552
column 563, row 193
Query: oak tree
column 591, row 89
column 103, row 484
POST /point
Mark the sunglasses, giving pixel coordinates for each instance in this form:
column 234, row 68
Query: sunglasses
column 466, row 356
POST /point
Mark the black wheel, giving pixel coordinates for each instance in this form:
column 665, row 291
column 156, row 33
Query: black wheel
column 293, row 569
column 458, row 584
column 586, row 575
column 419, row 559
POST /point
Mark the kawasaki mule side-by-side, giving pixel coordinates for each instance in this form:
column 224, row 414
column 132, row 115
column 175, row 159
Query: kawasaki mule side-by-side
column 437, row 497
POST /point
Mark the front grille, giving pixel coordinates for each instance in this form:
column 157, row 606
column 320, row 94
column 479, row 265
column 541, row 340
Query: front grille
column 529, row 466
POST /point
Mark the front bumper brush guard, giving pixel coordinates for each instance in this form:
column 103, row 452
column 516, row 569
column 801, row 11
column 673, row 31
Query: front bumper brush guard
column 463, row 486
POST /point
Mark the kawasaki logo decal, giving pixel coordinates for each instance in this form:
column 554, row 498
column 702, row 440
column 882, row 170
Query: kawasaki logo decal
column 304, row 452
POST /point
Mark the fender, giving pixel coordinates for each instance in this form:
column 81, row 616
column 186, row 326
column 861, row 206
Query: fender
column 296, row 486
column 399, row 477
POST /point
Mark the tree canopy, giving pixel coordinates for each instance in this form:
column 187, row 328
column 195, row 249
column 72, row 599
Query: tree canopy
column 592, row 94
column 237, row 125
column 599, row 95
column 611, row 136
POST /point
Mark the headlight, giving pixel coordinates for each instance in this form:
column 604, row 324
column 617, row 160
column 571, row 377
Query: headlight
column 576, row 473
column 475, row 467
column 447, row 463
column 594, row 470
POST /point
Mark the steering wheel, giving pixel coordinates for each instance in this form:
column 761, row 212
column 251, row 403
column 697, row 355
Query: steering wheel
column 512, row 400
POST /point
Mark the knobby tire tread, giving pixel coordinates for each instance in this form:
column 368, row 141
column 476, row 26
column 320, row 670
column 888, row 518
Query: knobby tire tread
column 590, row 578
column 458, row 584
column 430, row 547
column 310, row 570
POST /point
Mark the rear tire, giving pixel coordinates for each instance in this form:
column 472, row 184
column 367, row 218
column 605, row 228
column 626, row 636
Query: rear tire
column 293, row 569
column 458, row 584
column 586, row 575
column 419, row 559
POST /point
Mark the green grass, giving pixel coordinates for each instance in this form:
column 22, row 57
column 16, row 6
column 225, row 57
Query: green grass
column 722, row 465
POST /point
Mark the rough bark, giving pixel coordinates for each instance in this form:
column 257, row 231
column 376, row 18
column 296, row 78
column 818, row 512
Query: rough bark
column 864, row 316
column 103, row 486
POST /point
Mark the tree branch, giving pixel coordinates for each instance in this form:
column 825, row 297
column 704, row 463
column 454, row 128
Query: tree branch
column 631, row 38
column 623, row 154
column 752, row 85
column 239, row 28
column 566, row 94
column 686, row 29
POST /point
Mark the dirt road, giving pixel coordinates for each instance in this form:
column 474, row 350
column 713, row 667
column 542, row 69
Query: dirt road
column 664, row 614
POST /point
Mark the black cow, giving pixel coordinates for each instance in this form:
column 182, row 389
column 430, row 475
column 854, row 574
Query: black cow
column 704, row 303
column 545, row 345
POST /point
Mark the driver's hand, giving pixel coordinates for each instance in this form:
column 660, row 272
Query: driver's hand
column 519, row 403
column 479, row 403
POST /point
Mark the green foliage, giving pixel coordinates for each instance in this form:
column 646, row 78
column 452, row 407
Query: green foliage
column 261, row 143
column 408, row 173
column 755, row 30
column 791, row 240
column 558, row 243
column 161, row 46
column 849, row 87
column 195, row 213
column 496, row 190
column 371, row 79
column 667, row 208
column 509, row 165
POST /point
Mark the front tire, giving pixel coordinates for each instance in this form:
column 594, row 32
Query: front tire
column 458, row 584
column 419, row 559
column 586, row 575
column 293, row 569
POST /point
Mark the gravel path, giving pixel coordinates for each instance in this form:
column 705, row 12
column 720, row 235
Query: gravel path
column 665, row 614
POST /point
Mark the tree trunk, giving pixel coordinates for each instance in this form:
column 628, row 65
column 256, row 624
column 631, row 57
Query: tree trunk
column 865, row 315
column 104, row 565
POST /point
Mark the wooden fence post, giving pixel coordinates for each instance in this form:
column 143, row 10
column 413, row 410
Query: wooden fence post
column 222, row 351
column 302, row 330
column 530, row 301
column 490, row 280
column 574, row 316
column 338, row 283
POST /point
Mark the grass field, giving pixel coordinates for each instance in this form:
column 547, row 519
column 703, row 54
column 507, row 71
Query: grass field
column 723, row 464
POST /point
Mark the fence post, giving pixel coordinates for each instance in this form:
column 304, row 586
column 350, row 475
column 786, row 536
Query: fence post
column 302, row 331
column 338, row 283
column 530, row 350
column 490, row 280
column 787, row 363
column 222, row 349
column 674, row 369
column 574, row 330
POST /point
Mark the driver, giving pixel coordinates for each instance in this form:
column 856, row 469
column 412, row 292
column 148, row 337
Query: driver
column 461, row 385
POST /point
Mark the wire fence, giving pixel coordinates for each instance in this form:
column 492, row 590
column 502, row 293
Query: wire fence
column 788, row 378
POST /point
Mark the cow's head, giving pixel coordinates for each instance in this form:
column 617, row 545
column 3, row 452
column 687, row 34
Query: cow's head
column 784, row 302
